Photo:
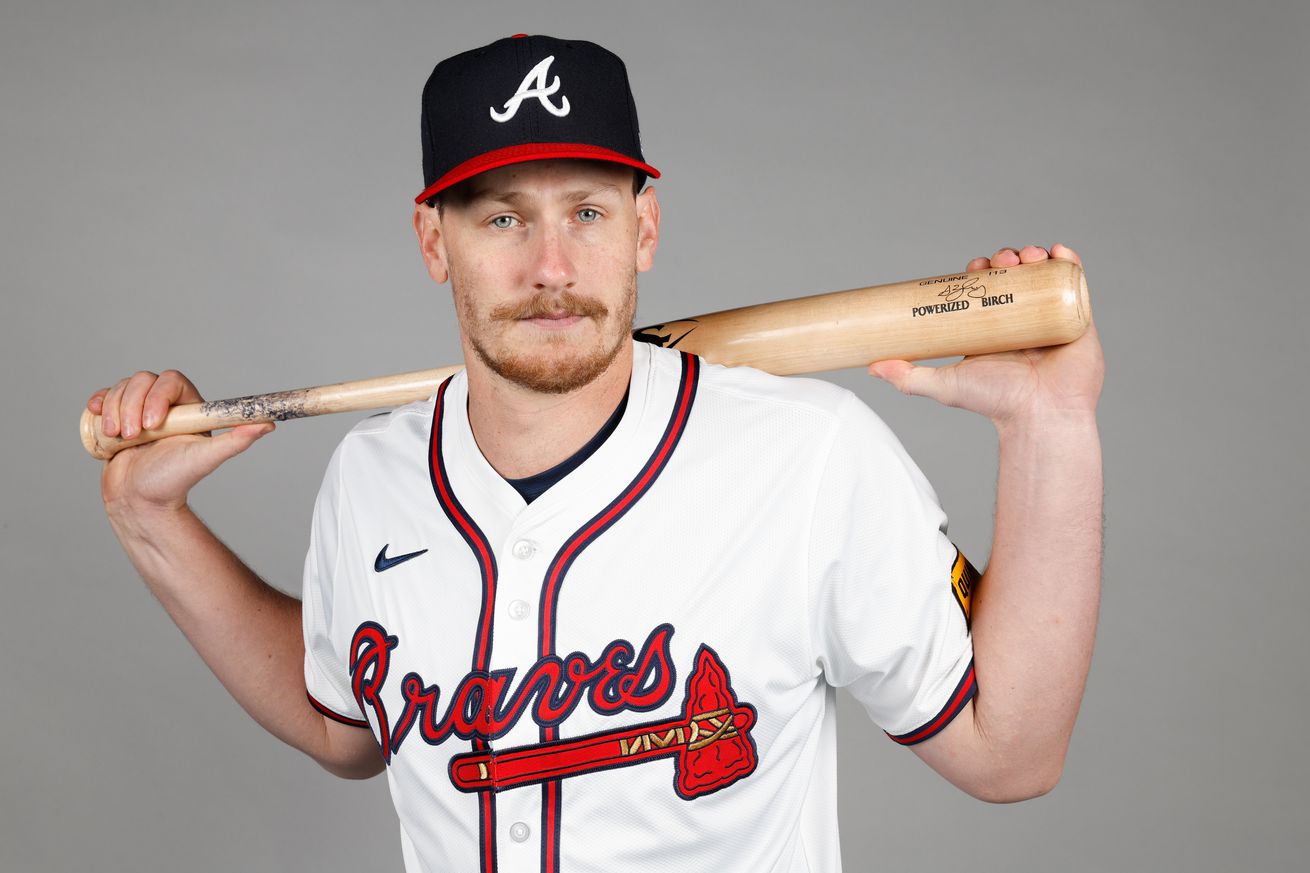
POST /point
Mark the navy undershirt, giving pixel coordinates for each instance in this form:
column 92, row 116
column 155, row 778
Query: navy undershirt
column 532, row 487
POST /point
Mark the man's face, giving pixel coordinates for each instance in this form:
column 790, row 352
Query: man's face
column 543, row 259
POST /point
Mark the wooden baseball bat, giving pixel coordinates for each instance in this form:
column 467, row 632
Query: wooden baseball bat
column 993, row 310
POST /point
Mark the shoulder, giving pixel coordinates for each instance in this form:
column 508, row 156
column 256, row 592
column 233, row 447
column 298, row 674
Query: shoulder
column 751, row 396
column 385, row 443
column 827, row 422
column 398, row 423
column 400, row 426
column 746, row 388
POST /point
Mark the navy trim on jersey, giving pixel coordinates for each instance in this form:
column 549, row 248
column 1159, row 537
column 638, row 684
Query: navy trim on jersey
column 619, row 506
column 487, row 831
column 963, row 693
column 336, row 716
column 532, row 487
column 468, row 529
column 552, row 792
column 552, row 803
column 482, row 552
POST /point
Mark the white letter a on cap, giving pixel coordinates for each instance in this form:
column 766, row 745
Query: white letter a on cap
column 536, row 76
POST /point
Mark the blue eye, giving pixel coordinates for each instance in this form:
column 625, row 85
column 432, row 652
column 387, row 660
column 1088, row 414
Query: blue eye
column 503, row 222
column 587, row 216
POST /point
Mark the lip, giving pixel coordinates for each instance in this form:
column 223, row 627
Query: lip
column 555, row 322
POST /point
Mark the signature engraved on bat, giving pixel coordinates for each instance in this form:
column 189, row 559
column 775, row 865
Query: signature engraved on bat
column 971, row 287
column 663, row 334
column 278, row 406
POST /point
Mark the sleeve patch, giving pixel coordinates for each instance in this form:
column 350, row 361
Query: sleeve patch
column 964, row 581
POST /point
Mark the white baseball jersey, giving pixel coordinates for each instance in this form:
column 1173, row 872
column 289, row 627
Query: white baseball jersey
column 636, row 671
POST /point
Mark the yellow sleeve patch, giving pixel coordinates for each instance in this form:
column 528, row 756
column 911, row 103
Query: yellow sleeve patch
column 964, row 580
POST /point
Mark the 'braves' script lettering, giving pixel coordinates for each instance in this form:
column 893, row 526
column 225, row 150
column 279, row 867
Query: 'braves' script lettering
column 482, row 706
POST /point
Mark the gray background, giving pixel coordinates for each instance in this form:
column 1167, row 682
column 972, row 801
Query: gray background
column 225, row 188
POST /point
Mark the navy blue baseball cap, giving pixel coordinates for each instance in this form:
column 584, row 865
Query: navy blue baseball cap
column 527, row 98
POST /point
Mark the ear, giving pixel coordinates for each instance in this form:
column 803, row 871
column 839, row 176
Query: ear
column 648, row 229
column 431, row 241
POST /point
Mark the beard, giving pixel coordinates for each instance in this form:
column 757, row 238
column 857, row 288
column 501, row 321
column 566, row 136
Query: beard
column 554, row 364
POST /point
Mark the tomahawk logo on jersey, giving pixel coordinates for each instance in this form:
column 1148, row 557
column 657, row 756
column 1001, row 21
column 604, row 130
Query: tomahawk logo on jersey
column 549, row 699
column 620, row 680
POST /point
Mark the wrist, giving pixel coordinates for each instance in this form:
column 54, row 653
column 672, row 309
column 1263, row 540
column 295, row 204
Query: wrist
column 141, row 520
column 1047, row 421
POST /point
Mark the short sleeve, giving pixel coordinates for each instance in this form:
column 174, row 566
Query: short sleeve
column 888, row 590
column 327, row 675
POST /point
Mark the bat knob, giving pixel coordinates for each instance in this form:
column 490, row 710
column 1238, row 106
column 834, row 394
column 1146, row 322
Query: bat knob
column 89, row 428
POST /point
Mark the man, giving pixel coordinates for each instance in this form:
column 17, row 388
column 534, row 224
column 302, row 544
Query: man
column 588, row 604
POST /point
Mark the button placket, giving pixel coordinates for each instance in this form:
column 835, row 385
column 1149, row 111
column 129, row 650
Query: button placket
column 523, row 549
column 519, row 559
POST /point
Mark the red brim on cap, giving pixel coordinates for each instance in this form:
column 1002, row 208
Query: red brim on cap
column 531, row 151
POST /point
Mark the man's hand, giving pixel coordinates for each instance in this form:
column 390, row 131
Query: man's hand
column 1034, row 610
column 1012, row 387
column 248, row 632
column 159, row 475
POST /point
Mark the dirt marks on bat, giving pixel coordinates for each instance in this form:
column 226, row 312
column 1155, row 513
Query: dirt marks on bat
column 278, row 406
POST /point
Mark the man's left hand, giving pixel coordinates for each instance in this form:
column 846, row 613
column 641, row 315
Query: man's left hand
column 1012, row 387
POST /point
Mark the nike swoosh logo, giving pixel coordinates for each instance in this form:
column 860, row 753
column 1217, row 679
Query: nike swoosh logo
column 385, row 563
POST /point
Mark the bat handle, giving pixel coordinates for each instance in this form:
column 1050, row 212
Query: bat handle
column 187, row 418
column 364, row 394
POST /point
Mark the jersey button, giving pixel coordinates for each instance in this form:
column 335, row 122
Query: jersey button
column 518, row 832
column 524, row 549
column 519, row 609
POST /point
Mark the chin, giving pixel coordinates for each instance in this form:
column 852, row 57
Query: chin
column 556, row 369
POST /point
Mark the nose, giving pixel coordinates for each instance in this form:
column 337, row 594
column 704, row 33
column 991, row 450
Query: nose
column 552, row 265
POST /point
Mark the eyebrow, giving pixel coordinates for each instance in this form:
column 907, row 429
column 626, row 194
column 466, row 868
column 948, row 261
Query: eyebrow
column 515, row 198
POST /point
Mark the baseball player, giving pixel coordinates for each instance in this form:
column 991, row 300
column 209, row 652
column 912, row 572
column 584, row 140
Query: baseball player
column 587, row 606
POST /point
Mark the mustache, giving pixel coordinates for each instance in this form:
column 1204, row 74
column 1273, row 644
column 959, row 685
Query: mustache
column 551, row 305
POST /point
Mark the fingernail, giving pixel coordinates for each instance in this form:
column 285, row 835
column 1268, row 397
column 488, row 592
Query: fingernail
column 148, row 421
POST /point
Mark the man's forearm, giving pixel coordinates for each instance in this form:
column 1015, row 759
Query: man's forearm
column 246, row 631
column 1034, row 615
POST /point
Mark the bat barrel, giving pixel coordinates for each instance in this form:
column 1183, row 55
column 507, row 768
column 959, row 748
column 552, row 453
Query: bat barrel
column 974, row 313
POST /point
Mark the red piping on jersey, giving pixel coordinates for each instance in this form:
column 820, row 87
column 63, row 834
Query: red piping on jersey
column 487, row 830
column 963, row 693
column 336, row 716
column 475, row 538
column 481, row 548
column 621, row 505
column 552, row 801
column 552, row 791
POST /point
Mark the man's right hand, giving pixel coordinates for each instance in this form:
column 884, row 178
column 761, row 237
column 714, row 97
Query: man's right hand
column 248, row 632
column 159, row 475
